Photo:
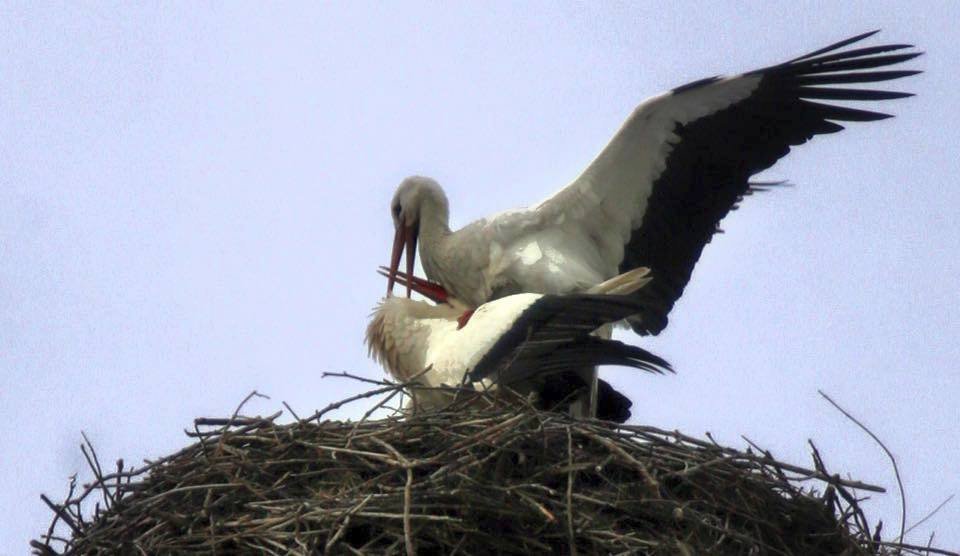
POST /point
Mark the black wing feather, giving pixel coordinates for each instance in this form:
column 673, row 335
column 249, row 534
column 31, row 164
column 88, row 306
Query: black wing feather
column 553, row 335
column 611, row 404
column 709, row 169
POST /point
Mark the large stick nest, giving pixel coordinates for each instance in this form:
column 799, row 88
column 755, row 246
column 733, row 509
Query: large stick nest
column 467, row 480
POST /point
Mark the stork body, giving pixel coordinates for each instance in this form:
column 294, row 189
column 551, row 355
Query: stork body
column 655, row 195
column 529, row 342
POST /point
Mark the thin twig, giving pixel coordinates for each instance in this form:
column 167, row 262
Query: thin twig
column 337, row 405
column 292, row 412
column 893, row 461
column 97, row 470
column 929, row 515
column 572, row 541
column 62, row 514
column 407, row 501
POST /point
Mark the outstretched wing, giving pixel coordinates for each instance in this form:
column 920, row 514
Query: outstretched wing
column 656, row 193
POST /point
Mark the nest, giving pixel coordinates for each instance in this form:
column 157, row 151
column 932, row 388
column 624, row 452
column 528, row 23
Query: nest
column 472, row 479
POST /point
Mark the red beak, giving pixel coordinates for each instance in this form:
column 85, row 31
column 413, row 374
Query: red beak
column 431, row 290
column 406, row 236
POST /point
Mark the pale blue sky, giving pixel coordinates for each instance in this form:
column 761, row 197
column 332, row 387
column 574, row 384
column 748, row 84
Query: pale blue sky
column 193, row 200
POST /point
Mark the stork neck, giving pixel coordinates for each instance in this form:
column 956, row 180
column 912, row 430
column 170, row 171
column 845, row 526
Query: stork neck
column 434, row 220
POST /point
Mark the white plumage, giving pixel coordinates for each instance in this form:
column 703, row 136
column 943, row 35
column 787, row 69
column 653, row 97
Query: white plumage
column 519, row 340
column 655, row 195
column 408, row 336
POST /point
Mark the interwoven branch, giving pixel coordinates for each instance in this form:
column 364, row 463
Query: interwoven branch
column 475, row 479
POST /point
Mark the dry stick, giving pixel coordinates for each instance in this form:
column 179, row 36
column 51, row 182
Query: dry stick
column 62, row 513
column 407, row 498
column 42, row 549
column 119, row 486
column 652, row 485
column 896, row 470
column 381, row 403
column 899, row 545
column 358, row 378
column 366, row 415
column 57, row 516
column 292, row 412
column 572, row 540
column 346, row 522
column 540, row 507
column 233, row 418
column 407, row 494
column 929, row 515
column 853, row 506
column 829, row 479
column 388, row 387
column 97, row 471
column 337, row 405
column 230, row 421
column 236, row 413
column 456, row 549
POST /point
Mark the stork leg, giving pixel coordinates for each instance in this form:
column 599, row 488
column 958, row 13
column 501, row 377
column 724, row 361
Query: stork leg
column 586, row 406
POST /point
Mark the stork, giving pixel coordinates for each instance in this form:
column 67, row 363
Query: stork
column 527, row 342
column 655, row 195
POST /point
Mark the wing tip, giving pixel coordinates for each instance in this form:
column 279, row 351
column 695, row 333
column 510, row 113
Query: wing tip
column 834, row 46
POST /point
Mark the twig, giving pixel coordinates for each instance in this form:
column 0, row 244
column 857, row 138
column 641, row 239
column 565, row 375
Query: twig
column 385, row 401
column 572, row 542
column 407, row 501
column 95, row 467
column 369, row 412
column 292, row 412
column 250, row 396
column 62, row 514
column 357, row 378
column 652, row 485
column 900, row 545
column 346, row 522
column 56, row 515
column 929, row 515
column 337, row 405
column 893, row 461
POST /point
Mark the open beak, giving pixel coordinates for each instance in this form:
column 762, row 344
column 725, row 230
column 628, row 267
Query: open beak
column 431, row 290
column 406, row 236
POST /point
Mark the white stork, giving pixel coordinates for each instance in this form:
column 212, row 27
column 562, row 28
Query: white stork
column 655, row 194
column 527, row 342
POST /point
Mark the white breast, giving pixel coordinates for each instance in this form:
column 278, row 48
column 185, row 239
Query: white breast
column 455, row 352
column 410, row 336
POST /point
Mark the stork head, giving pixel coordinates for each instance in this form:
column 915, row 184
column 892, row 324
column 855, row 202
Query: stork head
column 414, row 195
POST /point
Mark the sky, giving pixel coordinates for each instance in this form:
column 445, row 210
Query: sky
column 194, row 199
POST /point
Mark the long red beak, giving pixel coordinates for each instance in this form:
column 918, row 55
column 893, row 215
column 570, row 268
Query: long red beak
column 431, row 290
column 406, row 236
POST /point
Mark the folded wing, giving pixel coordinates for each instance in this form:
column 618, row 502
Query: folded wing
column 553, row 335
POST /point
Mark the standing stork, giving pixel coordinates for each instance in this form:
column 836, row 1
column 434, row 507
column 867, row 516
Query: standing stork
column 526, row 342
column 655, row 195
